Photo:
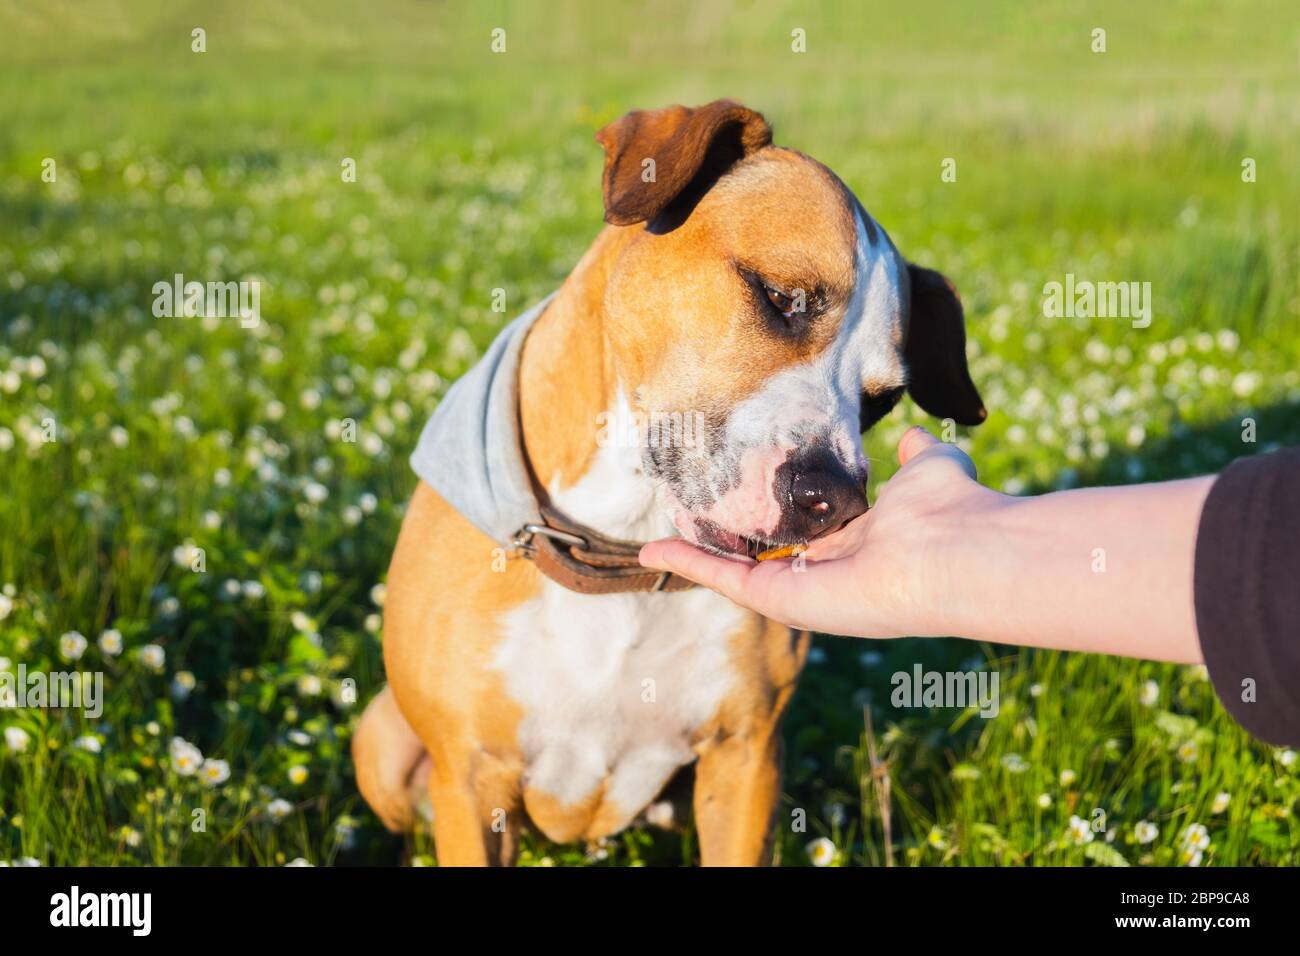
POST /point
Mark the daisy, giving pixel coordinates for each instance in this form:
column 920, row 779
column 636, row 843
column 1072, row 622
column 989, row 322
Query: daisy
column 1149, row 695
column 1144, row 831
column 1195, row 835
column 153, row 657
column 110, row 642
column 278, row 809
column 821, row 852
column 1067, row 777
column 1078, row 832
column 1044, row 801
column 72, row 645
column 17, row 739
column 215, row 772
column 1187, row 751
column 186, row 758
column 297, row 775
column 1221, row 801
column 88, row 743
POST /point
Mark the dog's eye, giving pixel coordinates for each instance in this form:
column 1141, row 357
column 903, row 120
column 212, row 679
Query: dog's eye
column 875, row 407
column 780, row 301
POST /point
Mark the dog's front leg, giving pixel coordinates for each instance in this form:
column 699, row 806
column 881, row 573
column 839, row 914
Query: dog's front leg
column 476, row 817
column 737, row 785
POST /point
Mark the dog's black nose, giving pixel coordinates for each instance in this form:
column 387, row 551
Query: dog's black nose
column 825, row 498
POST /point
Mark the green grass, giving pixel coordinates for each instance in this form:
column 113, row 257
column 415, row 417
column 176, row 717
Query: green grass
column 478, row 171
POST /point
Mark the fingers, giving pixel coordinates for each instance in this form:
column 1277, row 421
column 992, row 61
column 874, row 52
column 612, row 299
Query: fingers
column 724, row 575
column 914, row 441
column 917, row 443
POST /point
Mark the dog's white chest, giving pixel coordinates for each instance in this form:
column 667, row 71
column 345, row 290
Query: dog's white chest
column 612, row 687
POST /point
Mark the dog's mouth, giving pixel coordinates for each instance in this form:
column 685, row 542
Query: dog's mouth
column 713, row 537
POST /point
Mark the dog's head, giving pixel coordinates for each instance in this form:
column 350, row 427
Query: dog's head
column 754, row 295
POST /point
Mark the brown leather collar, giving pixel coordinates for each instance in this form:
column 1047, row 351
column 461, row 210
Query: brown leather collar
column 584, row 560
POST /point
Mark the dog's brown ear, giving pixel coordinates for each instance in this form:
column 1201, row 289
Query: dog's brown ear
column 652, row 156
column 939, row 380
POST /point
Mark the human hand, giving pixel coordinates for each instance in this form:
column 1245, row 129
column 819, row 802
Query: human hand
column 885, row 574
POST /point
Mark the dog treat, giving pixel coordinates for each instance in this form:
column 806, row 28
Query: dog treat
column 789, row 551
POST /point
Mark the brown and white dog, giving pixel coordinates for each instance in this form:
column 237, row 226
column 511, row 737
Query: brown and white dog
column 738, row 280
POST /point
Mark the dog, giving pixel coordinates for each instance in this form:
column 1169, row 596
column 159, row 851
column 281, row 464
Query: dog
column 538, row 676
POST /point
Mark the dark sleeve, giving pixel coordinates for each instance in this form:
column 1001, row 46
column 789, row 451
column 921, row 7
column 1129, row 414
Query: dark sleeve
column 1247, row 593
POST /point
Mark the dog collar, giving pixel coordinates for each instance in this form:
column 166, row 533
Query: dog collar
column 471, row 453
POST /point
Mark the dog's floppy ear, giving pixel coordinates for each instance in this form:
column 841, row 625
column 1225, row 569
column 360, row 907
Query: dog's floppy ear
column 939, row 380
column 652, row 156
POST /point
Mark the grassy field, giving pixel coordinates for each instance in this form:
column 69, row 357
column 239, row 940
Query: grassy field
column 127, row 440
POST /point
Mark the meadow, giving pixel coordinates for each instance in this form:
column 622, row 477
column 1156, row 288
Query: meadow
column 181, row 509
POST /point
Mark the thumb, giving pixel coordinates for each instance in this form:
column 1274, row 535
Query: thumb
column 914, row 441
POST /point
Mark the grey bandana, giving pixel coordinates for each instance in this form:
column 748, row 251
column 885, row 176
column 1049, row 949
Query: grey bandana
column 470, row 451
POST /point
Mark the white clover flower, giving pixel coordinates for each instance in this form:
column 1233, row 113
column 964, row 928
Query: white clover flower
column 821, row 852
column 367, row 503
column 309, row 399
column 119, row 436
column 230, row 589
column 1044, row 801
column 297, row 775
column 352, row 516
column 1068, row 777
column 1035, row 690
column 278, row 809
column 211, row 520
column 153, row 657
column 373, row 623
column 299, row 738
column 1078, row 831
column 214, row 772
column 253, row 590
column 1149, row 695
column 315, row 492
column 186, row 758
column 378, row 594
column 72, row 645
column 1195, row 835
column 1221, row 801
column 110, row 642
column 17, row 739
column 1144, row 831
column 89, row 743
